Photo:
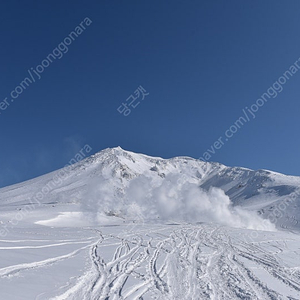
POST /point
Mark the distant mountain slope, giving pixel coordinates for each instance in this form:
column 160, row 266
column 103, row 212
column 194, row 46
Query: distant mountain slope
column 114, row 178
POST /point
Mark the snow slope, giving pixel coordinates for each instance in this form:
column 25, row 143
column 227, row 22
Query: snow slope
column 121, row 225
column 166, row 261
column 122, row 183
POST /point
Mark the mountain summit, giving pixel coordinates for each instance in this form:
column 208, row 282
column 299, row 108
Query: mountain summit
column 120, row 183
column 121, row 225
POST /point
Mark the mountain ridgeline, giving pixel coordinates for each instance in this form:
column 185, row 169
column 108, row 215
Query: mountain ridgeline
column 120, row 183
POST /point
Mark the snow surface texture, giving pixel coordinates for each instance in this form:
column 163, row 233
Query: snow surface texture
column 121, row 225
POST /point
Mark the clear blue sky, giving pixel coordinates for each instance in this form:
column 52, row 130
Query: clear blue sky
column 201, row 62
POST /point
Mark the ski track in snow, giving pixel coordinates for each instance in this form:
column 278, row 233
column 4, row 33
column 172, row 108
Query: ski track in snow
column 190, row 262
column 15, row 269
column 42, row 246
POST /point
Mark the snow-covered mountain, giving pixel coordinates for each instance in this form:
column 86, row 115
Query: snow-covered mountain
column 115, row 182
column 121, row 225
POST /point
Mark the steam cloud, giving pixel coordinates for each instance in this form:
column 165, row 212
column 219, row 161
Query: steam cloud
column 173, row 199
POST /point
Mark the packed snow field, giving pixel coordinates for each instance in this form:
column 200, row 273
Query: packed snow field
column 121, row 225
column 170, row 261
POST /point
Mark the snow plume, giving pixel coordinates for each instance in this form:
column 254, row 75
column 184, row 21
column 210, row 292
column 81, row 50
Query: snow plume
column 171, row 198
column 181, row 200
column 98, row 199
